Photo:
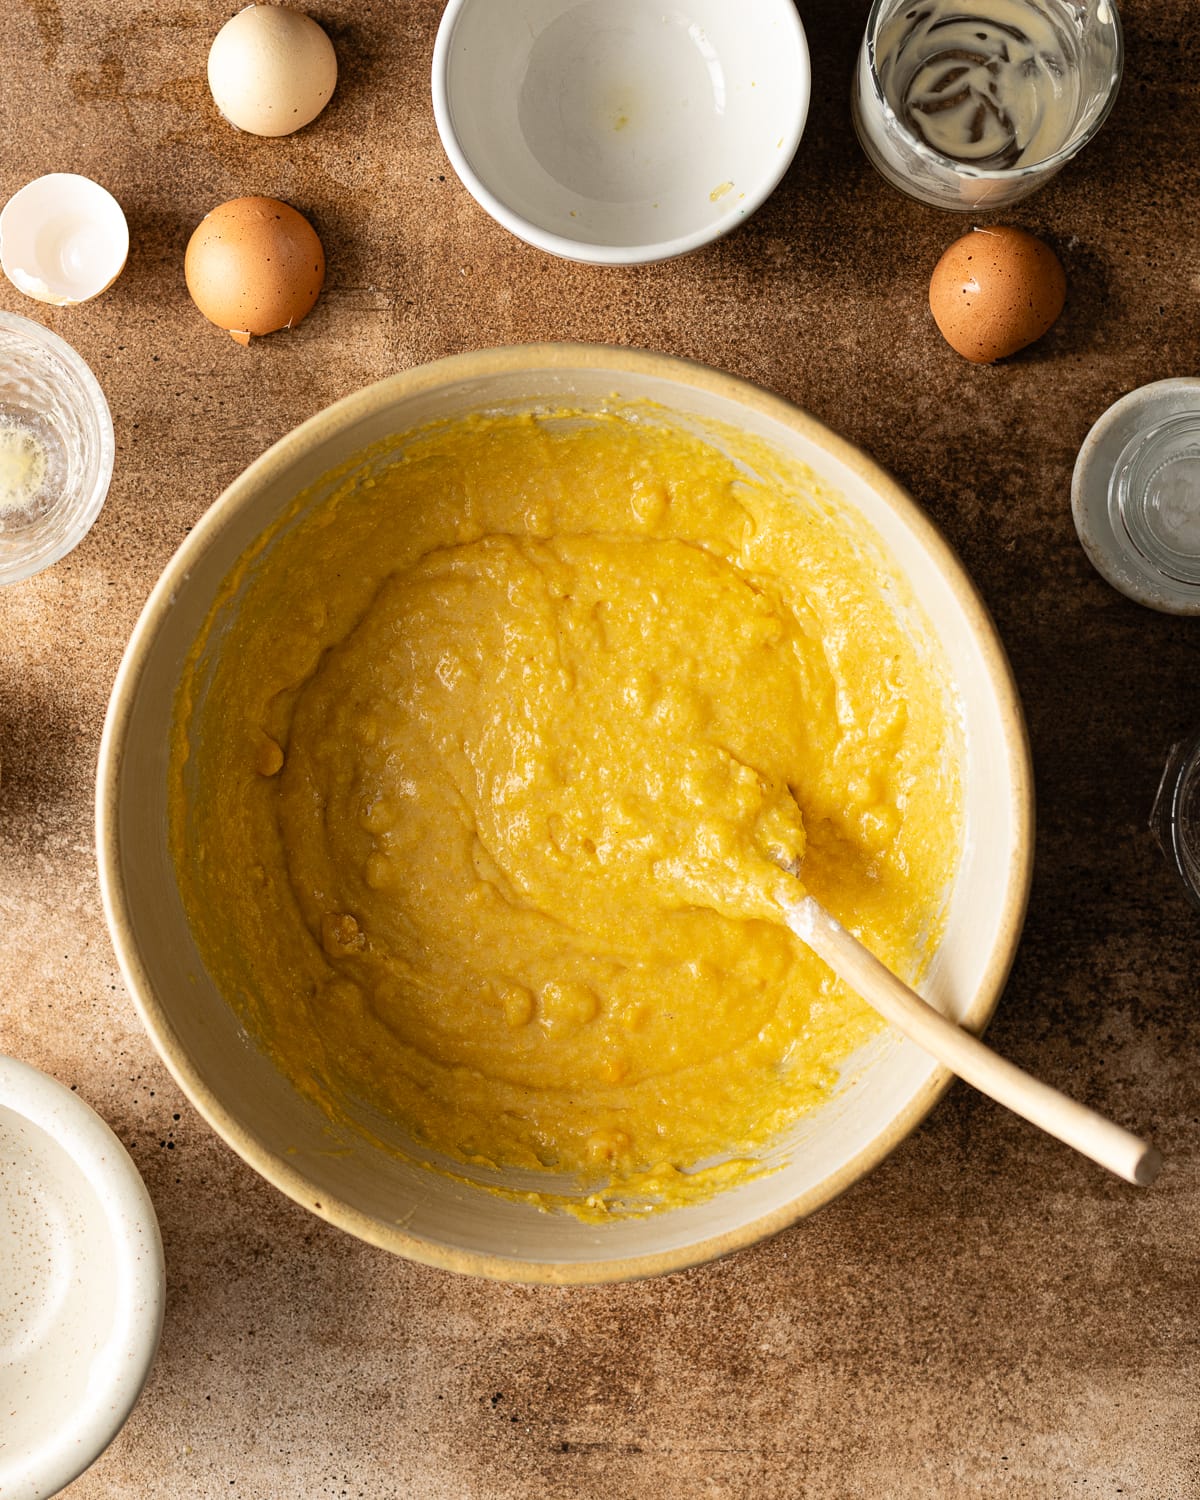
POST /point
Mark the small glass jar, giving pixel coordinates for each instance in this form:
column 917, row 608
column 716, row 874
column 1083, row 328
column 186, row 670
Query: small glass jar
column 56, row 448
column 1175, row 819
column 1154, row 496
column 925, row 89
column 1135, row 495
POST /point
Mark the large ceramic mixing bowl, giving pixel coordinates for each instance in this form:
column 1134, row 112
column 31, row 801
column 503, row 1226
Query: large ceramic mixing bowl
column 378, row 1194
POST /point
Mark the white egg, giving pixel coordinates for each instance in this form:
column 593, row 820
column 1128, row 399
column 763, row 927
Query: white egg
column 271, row 70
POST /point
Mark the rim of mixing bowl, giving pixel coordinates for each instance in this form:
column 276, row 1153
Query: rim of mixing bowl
column 274, row 1166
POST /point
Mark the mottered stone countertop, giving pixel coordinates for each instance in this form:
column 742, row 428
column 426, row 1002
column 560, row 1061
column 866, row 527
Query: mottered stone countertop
column 985, row 1314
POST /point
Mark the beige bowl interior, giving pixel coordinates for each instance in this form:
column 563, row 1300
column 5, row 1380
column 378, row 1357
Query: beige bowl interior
column 379, row 1195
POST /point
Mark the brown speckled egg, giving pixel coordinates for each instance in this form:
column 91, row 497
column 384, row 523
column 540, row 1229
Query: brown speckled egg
column 994, row 291
column 254, row 265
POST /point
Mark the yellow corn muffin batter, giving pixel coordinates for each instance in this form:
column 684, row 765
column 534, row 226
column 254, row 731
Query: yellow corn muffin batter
column 485, row 767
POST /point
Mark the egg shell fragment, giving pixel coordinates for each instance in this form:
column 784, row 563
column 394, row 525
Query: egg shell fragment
column 254, row 265
column 271, row 70
column 63, row 239
column 996, row 290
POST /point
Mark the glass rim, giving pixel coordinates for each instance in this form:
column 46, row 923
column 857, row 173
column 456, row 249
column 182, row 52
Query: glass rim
column 1168, row 816
column 1046, row 165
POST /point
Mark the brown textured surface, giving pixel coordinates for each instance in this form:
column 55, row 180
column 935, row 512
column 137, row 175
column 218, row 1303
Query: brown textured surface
column 986, row 1314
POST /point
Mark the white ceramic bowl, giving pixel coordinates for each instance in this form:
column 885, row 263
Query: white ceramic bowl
column 620, row 131
column 81, row 1276
column 376, row 1193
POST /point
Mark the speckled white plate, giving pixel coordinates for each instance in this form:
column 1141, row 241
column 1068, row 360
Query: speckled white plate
column 81, row 1284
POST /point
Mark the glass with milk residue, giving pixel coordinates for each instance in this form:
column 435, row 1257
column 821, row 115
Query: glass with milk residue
column 56, row 448
column 974, row 104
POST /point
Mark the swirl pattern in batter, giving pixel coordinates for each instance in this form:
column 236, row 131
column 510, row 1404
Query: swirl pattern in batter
column 479, row 796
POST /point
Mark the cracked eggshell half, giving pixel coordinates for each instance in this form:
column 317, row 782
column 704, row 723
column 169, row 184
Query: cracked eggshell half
column 272, row 70
column 63, row 239
column 254, row 265
column 996, row 290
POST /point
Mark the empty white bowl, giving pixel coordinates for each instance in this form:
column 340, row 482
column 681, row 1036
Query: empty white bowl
column 620, row 131
column 81, row 1272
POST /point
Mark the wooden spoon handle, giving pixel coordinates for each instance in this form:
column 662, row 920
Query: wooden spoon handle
column 1108, row 1144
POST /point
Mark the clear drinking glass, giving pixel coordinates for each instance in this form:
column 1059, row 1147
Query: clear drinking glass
column 56, row 448
column 1135, row 495
column 1154, row 498
column 974, row 104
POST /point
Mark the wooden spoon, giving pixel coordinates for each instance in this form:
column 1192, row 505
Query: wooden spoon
column 1108, row 1144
